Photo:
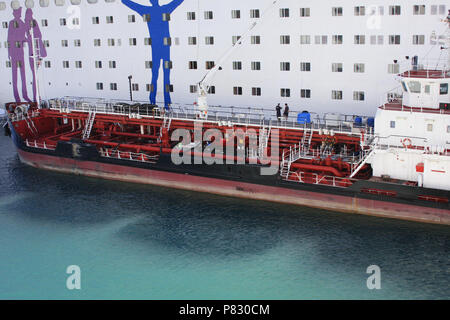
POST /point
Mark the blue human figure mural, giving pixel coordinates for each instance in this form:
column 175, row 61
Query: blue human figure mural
column 158, row 27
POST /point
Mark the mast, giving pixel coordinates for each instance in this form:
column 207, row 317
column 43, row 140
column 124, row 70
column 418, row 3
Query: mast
column 447, row 44
column 443, row 40
column 35, row 63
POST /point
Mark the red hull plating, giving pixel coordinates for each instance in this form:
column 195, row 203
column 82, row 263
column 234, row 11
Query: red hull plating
column 238, row 189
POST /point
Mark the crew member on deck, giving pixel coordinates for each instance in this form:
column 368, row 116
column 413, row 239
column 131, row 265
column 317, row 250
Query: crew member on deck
column 286, row 111
column 278, row 108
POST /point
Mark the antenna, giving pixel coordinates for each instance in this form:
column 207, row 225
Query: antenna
column 447, row 20
column 443, row 40
column 35, row 62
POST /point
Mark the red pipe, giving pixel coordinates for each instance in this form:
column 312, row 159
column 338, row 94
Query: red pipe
column 68, row 134
column 136, row 135
column 341, row 165
column 315, row 168
column 156, row 149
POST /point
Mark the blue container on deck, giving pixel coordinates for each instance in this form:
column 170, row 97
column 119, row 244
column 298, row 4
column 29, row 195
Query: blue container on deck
column 304, row 118
column 371, row 122
column 358, row 122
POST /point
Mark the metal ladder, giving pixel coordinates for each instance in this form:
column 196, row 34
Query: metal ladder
column 294, row 153
column 266, row 142
column 89, row 124
column 36, row 48
column 299, row 151
column 367, row 155
column 264, row 139
column 167, row 121
column 285, row 168
column 307, row 138
column 30, row 124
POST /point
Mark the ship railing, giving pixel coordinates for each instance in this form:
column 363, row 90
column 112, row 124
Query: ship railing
column 225, row 115
column 399, row 106
column 19, row 116
column 40, row 145
column 314, row 178
column 394, row 101
column 393, row 96
column 443, row 150
column 3, row 115
column 344, row 125
column 428, row 68
column 362, row 159
column 301, row 151
column 428, row 73
column 296, row 152
column 399, row 142
column 410, row 143
column 126, row 155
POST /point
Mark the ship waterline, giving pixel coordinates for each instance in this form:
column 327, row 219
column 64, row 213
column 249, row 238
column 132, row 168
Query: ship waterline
column 237, row 189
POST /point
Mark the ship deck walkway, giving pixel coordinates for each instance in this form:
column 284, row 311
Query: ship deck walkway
column 397, row 105
column 223, row 115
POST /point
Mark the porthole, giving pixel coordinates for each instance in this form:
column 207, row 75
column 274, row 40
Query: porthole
column 2, row 6
column 15, row 5
column 75, row 2
column 44, row 3
column 29, row 4
column 59, row 3
column 92, row 1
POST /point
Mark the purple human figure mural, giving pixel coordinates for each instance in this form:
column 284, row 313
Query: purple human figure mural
column 157, row 17
column 17, row 31
column 40, row 50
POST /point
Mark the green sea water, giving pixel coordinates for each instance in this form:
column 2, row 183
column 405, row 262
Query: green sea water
column 144, row 242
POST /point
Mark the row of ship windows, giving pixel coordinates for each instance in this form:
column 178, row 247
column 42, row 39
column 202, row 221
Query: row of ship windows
column 417, row 39
column 255, row 13
column 393, row 68
column 238, row 91
column 429, row 126
column 254, row 39
column 393, row 10
column 166, row 17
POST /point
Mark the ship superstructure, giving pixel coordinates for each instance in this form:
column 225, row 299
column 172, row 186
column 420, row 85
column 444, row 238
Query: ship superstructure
column 413, row 131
